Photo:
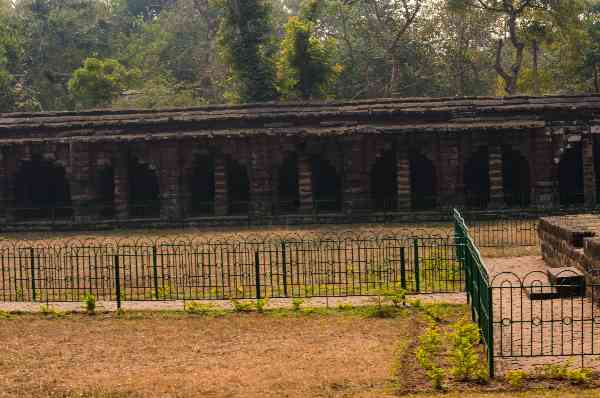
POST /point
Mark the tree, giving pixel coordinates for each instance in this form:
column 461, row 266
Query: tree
column 304, row 67
column 99, row 81
column 247, row 49
column 592, row 51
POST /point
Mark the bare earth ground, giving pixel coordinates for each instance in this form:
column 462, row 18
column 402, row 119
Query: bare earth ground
column 184, row 356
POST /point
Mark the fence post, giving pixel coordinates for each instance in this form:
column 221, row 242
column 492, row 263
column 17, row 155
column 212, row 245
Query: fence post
column 257, row 274
column 33, row 291
column 155, row 271
column 118, row 281
column 490, row 326
column 417, row 270
column 285, row 287
column 402, row 268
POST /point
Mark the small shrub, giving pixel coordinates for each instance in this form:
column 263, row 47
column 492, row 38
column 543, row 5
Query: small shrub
column 396, row 295
column 464, row 357
column 556, row 371
column 196, row 308
column 241, row 306
column 515, row 378
column 89, row 301
column 4, row 314
column 428, row 354
column 50, row 311
column 297, row 303
column 261, row 304
column 579, row 376
column 345, row 307
column 417, row 304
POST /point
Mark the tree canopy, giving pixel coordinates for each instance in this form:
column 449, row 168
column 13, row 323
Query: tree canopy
column 72, row 54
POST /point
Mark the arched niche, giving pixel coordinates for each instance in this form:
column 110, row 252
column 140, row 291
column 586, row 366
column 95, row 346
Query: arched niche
column 384, row 184
column 144, row 190
column 288, row 187
column 238, row 187
column 477, row 178
column 201, row 184
column 423, row 182
column 570, row 176
column 515, row 178
column 326, row 184
column 41, row 190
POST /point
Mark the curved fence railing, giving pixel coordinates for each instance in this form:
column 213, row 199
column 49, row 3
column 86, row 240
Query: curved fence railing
column 193, row 269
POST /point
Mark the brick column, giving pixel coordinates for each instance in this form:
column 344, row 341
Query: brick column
column 169, row 179
column 220, row 186
column 80, row 180
column 543, row 168
column 305, row 183
column 261, row 189
column 403, row 177
column 496, row 176
column 589, row 173
column 447, row 169
column 121, row 176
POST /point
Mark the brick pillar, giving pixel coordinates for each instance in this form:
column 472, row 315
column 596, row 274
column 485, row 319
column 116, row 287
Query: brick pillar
column 305, row 183
column 261, row 188
column 80, row 181
column 403, row 177
column 496, row 176
column 447, row 169
column 121, row 176
column 589, row 173
column 169, row 180
column 220, row 186
column 543, row 168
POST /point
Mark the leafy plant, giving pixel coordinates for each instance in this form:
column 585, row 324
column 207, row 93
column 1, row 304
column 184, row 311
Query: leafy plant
column 193, row 307
column 241, row 306
column 50, row 311
column 89, row 301
column 296, row 303
column 261, row 304
column 428, row 354
column 579, row 376
column 465, row 360
column 4, row 314
column 515, row 378
column 396, row 295
column 556, row 371
column 345, row 306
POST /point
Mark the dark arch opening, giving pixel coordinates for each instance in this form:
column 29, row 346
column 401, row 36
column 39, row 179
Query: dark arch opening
column 105, row 191
column 423, row 182
column 42, row 190
column 202, row 185
column 570, row 176
column 477, row 179
column 515, row 178
column 327, row 185
column 144, row 199
column 288, row 190
column 238, row 188
column 384, row 186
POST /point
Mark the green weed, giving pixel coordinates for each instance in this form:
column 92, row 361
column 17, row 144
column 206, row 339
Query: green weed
column 242, row 306
column 193, row 307
column 261, row 304
column 428, row 355
column 89, row 301
column 50, row 311
column 515, row 378
column 297, row 303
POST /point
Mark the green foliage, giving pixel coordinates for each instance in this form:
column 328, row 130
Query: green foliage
column 580, row 376
column 4, row 314
column 247, row 47
column 297, row 303
column 89, row 303
column 345, row 307
column 464, row 357
column 394, row 294
column 564, row 371
column 46, row 310
column 261, row 304
column 428, row 356
column 193, row 307
column 304, row 65
column 515, row 378
column 99, row 81
column 242, row 306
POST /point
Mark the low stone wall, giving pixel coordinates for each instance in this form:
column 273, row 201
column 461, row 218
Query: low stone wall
column 572, row 241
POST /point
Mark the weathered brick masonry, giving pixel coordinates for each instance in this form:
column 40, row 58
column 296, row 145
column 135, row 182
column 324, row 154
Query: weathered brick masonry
column 296, row 158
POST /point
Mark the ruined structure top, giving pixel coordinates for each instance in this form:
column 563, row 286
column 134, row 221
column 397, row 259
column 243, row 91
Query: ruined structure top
column 292, row 159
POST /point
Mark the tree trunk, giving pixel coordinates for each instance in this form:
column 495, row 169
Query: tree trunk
column 597, row 78
column 536, row 75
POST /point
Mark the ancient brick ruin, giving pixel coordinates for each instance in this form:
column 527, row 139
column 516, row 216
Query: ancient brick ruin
column 275, row 160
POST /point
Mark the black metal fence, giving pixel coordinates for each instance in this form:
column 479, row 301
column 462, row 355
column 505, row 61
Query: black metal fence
column 194, row 270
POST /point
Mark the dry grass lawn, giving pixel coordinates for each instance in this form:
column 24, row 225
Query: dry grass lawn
column 162, row 355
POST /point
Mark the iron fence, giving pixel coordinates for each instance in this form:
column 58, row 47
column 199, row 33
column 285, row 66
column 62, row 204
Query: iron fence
column 332, row 265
